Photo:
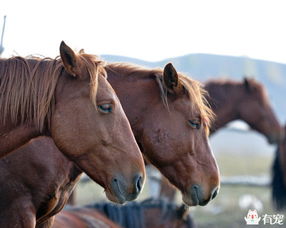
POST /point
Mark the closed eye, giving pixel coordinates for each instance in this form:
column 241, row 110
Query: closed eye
column 105, row 108
column 195, row 124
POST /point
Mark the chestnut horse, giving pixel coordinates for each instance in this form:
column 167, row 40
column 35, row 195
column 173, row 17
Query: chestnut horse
column 233, row 100
column 170, row 119
column 147, row 214
column 279, row 176
column 70, row 100
column 247, row 101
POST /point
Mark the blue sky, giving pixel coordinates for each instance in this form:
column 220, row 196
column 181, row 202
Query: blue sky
column 149, row 30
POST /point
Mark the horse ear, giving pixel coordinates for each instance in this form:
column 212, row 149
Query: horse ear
column 170, row 77
column 182, row 212
column 247, row 84
column 69, row 59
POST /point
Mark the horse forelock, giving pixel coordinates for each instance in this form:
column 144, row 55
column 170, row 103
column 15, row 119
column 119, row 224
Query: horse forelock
column 197, row 95
column 27, row 87
column 94, row 67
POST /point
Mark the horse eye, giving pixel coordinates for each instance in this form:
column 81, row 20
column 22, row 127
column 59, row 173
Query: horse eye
column 196, row 124
column 105, row 108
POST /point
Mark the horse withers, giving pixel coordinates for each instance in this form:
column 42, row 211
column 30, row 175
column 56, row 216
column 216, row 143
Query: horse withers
column 69, row 99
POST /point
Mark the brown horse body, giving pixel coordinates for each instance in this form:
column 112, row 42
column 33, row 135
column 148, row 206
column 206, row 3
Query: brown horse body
column 70, row 100
column 147, row 214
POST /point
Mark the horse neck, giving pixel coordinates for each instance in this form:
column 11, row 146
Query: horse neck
column 136, row 92
column 225, row 103
column 15, row 137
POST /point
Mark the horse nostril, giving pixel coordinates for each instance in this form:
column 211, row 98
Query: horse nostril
column 196, row 194
column 114, row 179
column 138, row 183
column 214, row 193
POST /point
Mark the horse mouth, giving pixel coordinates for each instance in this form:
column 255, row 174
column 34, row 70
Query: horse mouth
column 115, row 193
column 194, row 196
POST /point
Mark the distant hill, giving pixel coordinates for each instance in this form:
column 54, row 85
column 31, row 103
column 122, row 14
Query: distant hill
column 205, row 66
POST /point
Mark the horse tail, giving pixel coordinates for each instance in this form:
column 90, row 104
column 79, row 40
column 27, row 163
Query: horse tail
column 278, row 184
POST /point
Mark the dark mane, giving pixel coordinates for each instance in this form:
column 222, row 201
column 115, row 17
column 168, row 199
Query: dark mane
column 28, row 86
column 228, row 84
column 196, row 92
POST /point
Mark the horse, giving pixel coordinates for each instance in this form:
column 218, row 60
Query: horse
column 170, row 119
column 247, row 101
column 234, row 100
column 150, row 214
column 70, row 100
column 279, row 176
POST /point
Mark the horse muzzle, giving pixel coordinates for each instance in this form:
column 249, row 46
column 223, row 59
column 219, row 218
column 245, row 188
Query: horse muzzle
column 195, row 196
column 123, row 191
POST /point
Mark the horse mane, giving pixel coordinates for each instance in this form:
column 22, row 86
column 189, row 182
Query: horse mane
column 132, row 214
column 196, row 93
column 223, row 83
column 27, row 87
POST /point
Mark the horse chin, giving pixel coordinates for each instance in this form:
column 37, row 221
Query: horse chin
column 193, row 201
column 115, row 198
column 188, row 201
